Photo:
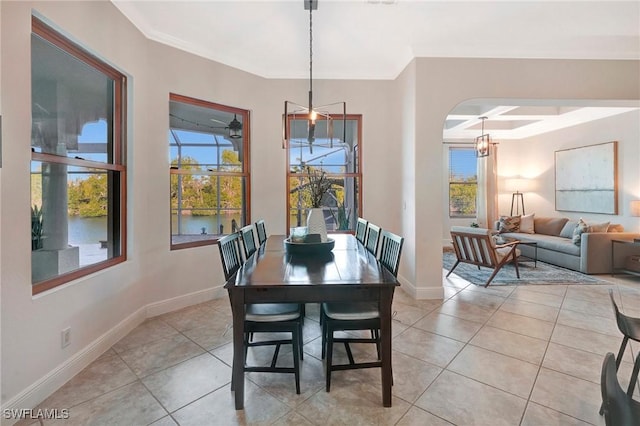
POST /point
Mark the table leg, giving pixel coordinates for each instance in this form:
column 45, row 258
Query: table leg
column 386, row 297
column 237, row 304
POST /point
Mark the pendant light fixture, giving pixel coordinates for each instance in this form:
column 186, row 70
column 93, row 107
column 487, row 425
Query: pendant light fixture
column 312, row 114
column 483, row 142
column 235, row 128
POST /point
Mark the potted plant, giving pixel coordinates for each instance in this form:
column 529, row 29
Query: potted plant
column 36, row 228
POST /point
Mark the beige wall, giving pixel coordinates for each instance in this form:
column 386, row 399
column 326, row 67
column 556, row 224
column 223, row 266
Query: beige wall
column 402, row 132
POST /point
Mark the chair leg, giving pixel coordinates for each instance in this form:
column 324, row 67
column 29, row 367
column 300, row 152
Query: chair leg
column 300, row 340
column 634, row 376
column 329, row 357
column 495, row 271
column 295, row 338
column 454, row 267
column 515, row 264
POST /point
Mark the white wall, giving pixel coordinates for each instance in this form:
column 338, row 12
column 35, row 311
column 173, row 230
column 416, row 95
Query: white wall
column 400, row 165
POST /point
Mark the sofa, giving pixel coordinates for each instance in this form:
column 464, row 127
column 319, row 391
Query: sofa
column 554, row 236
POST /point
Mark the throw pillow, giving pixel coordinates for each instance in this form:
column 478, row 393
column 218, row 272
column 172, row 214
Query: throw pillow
column 509, row 224
column 567, row 231
column 526, row 223
column 599, row 227
column 581, row 227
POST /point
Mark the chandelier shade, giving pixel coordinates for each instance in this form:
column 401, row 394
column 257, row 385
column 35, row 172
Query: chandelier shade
column 483, row 142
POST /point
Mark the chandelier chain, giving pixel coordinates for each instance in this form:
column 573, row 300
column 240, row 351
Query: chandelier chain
column 311, row 48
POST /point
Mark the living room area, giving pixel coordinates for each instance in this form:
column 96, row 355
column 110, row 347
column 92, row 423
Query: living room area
column 537, row 147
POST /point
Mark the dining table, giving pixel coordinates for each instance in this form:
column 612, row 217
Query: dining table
column 276, row 274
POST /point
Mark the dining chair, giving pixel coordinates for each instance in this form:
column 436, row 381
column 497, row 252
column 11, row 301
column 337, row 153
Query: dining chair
column 248, row 240
column 373, row 237
column 476, row 246
column 619, row 409
column 264, row 317
column 361, row 230
column 357, row 316
column 630, row 329
column 262, row 232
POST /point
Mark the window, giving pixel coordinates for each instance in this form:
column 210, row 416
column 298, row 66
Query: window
column 463, row 182
column 209, row 156
column 78, row 174
column 338, row 159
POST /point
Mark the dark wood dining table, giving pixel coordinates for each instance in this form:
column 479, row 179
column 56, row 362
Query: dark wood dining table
column 348, row 273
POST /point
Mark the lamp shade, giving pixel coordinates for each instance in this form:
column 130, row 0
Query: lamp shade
column 517, row 184
column 635, row 208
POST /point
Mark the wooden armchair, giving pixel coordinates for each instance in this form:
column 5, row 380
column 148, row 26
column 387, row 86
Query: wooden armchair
column 476, row 246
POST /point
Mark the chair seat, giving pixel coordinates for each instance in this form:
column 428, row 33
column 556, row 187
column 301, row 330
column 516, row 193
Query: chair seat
column 272, row 312
column 351, row 311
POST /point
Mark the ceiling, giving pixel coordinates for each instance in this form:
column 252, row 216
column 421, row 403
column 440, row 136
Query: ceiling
column 376, row 39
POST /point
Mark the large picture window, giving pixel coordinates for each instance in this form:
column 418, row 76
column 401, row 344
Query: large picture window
column 209, row 155
column 340, row 162
column 463, row 182
column 78, row 174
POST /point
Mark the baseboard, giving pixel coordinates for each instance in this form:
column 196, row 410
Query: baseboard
column 51, row 382
column 422, row 292
column 179, row 302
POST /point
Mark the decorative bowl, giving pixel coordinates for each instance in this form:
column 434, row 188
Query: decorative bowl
column 309, row 248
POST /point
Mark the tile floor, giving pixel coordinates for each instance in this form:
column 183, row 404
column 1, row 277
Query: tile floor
column 527, row 355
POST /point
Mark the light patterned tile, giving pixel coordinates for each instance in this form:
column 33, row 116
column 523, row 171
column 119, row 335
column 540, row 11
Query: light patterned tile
column 528, row 309
column 179, row 385
column 101, row 376
column 428, row 347
column 146, row 332
column 569, row 395
column 448, row 326
column 511, row 344
column 520, row 324
column 467, row 311
column 590, row 341
column 537, row 415
column 218, row 407
column 503, row 372
column 528, row 295
column 352, row 403
column 129, row 405
column 463, row 401
column 589, row 321
column 160, row 354
column 418, row 417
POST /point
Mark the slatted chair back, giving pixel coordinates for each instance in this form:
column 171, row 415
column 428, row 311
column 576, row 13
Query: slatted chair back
column 476, row 247
column 373, row 237
column 261, row 231
column 361, row 230
column 390, row 250
column 230, row 254
column 248, row 240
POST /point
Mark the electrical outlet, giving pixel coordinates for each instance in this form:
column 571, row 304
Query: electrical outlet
column 65, row 337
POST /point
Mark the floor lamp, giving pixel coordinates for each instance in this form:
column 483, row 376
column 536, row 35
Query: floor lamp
column 517, row 199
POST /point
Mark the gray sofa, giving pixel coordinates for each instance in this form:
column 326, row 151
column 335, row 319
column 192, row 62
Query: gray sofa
column 554, row 239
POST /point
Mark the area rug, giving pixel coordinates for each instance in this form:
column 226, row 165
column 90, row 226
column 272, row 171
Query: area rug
column 544, row 273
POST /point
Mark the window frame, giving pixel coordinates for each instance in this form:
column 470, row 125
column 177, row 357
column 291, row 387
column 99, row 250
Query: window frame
column 245, row 173
column 117, row 164
column 461, row 182
column 357, row 159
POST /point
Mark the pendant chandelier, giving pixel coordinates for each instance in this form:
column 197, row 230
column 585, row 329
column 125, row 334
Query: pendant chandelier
column 312, row 114
column 483, row 142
